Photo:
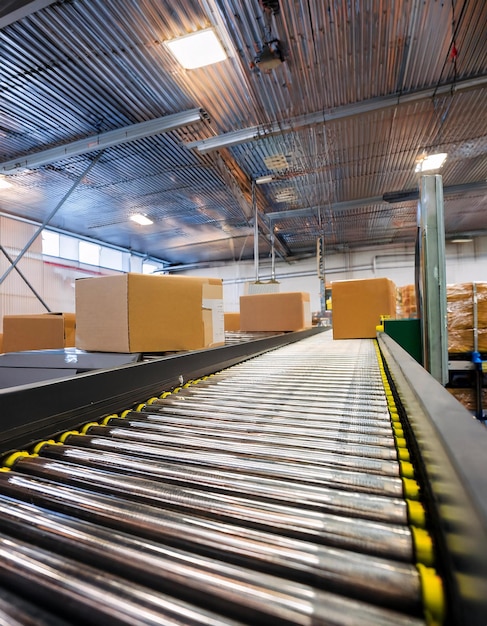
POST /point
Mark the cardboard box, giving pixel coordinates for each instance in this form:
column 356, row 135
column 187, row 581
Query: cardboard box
column 38, row 332
column 143, row 313
column 359, row 304
column 1, row 343
column 232, row 321
column 279, row 312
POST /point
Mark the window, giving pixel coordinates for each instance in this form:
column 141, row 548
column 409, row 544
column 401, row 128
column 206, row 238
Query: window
column 89, row 253
column 149, row 268
column 112, row 259
column 50, row 243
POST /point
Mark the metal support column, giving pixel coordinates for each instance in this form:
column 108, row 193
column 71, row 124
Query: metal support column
column 432, row 277
column 256, row 232
column 320, row 266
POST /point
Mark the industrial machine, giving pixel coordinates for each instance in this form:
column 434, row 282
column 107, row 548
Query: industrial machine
column 288, row 480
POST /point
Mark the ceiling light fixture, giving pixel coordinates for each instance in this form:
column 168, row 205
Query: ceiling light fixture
column 4, row 184
column 461, row 240
column 276, row 162
column 197, row 49
column 143, row 220
column 264, row 179
column 431, row 162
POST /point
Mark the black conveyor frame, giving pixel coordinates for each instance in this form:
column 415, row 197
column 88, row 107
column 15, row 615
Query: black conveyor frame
column 451, row 447
column 30, row 413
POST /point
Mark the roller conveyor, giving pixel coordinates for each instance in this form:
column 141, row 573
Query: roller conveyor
column 286, row 489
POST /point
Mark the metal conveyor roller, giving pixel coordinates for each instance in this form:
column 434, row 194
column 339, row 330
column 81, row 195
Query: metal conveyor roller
column 280, row 490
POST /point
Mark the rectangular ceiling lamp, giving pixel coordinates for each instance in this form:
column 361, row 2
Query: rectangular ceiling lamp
column 431, row 162
column 143, row 220
column 197, row 49
column 276, row 162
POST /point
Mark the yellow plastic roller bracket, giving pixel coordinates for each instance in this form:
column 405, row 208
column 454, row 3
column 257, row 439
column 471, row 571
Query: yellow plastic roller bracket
column 416, row 513
column 87, row 427
column 433, row 595
column 62, row 438
column 423, row 546
column 411, row 489
column 10, row 460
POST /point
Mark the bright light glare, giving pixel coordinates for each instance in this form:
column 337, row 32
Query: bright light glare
column 431, row 162
column 143, row 220
column 197, row 49
column 4, row 184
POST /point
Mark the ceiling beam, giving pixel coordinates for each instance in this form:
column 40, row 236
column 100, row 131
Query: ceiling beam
column 103, row 140
column 15, row 10
column 254, row 133
column 388, row 198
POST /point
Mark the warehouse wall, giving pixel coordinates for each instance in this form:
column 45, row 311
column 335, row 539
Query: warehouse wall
column 464, row 263
column 54, row 278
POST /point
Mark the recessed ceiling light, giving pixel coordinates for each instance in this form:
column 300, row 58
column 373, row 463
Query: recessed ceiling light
column 197, row 49
column 431, row 162
column 143, row 220
column 287, row 194
column 276, row 162
column 4, row 184
column 462, row 240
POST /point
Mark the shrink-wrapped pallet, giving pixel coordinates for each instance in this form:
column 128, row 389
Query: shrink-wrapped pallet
column 467, row 397
column 408, row 301
column 462, row 340
column 460, row 316
column 460, row 305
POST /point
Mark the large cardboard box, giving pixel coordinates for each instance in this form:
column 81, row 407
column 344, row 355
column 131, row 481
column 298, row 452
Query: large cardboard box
column 142, row 313
column 38, row 332
column 275, row 312
column 359, row 304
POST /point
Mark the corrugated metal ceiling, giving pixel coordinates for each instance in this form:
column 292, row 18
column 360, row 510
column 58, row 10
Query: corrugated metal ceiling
column 366, row 88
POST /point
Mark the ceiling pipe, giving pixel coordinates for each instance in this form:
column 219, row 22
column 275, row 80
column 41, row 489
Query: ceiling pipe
column 254, row 133
column 103, row 140
column 394, row 197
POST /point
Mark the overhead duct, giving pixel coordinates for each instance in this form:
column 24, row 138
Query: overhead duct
column 346, row 111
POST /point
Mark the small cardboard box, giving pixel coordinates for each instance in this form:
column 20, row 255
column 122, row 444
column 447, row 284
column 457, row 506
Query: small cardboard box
column 38, row 332
column 275, row 312
column 359, row 304
column 232, row 321
column 143, row 313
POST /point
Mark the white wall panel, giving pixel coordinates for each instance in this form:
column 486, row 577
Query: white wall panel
column 464, row 263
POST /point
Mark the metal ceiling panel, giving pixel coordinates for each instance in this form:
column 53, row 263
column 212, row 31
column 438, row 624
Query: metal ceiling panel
column 409, row 78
